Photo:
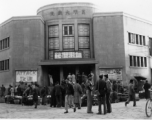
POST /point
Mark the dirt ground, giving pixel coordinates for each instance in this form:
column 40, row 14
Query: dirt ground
column 119, row 111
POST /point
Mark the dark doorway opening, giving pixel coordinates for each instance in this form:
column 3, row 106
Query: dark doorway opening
column 68, row 69
column 55, row 72
column 85, row 68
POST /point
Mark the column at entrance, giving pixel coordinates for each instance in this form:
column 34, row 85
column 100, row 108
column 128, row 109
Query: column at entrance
column 61, row 74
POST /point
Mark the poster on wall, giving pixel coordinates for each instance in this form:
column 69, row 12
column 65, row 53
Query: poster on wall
column 26, row 76
column 114, row 74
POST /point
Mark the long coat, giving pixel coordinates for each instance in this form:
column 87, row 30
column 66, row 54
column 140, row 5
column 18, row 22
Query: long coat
column 89, row 97
column 35, row 94
column 77, row 92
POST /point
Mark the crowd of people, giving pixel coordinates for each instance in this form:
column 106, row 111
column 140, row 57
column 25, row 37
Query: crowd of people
column 68, row 94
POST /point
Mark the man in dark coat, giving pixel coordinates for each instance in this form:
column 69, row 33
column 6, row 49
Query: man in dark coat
column 109, row 90
column 19, row 91
column 58, row 94
column 102, row 88
column 79, row 78
column 53, row 100
column 77, row 94
column 69, row 93
column 146, row 88
column 63, row 92
column 43, row 94
column 3, row 91
column 131, row 93
column 35, row 95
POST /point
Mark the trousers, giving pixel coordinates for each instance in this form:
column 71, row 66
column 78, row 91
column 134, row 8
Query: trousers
column 69, row 98
column 133, row 97
column 102, row 100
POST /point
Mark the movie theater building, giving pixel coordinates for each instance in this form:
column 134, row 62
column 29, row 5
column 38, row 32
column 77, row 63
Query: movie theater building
column 70, row 38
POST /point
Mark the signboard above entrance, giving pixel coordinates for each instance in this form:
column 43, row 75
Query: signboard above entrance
column 26, row 76
column 66, row 55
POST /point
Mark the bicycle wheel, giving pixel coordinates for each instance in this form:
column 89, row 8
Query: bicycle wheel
column 148, row 108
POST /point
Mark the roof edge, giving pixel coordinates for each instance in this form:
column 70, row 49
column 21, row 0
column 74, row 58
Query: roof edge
column 99, row 14
column 21, row 18
column 68, row 4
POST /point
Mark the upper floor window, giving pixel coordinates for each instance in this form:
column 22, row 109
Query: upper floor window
column 53, row 40
column 4, row 43
column 4, row 65
column 150, row 46
column 68, row 30
column 136, row 39
column 138, row 61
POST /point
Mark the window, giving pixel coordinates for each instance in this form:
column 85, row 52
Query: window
column 68, row 37
column 134, row 57
column 4, row 43
column 144, row 43
column 53, row 39
column 140, row 38
column 129, row 34
column 84, row 39
column 131, row 60
column 4, row 65
column 136, row 39
column 138, row 61
column 68, row 30
column 150, row 46
column 145, row 62
column 65, row 30
column 142, row 64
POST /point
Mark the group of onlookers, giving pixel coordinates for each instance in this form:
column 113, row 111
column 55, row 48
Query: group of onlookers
column 69, row 92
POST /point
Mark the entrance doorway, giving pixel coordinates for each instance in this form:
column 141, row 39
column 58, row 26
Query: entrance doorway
column 68, row 69
column 55, row 72
column 85, row 68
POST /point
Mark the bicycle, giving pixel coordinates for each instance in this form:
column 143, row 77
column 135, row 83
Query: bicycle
column 148, row 107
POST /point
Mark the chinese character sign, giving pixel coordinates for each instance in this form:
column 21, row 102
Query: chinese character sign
column 63, row 55
column 114, row 74
column 26, row 76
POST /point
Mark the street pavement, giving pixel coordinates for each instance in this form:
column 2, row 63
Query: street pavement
column 119, row 111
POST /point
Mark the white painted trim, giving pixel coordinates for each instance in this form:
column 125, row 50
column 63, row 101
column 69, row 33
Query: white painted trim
column 99, row 14
column 61, row 5
column 22, row 18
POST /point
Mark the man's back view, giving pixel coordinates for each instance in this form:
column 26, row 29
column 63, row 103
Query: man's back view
column 101, row 87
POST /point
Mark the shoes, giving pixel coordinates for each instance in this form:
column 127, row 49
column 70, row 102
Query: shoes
column 74, row 109
column 79, row 108
column 99, row 113
column 125, row 104
column 134, row 105
column 66, row 112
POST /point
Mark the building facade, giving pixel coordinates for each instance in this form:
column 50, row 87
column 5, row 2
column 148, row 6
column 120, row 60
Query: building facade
column 70, row 38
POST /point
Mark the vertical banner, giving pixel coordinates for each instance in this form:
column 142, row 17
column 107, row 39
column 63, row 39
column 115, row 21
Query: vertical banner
column 26, row 76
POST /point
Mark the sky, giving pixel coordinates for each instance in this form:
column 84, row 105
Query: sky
column 138, row 8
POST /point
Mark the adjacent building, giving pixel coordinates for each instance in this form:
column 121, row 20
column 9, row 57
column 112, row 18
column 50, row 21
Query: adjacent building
column 70, row 38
